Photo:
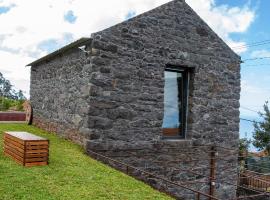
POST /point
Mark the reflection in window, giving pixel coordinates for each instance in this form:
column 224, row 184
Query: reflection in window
column 174, row 103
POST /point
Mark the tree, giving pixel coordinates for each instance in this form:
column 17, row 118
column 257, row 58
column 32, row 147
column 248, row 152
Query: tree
column 261, row 133
column 20, row 95
column 7, row 91
column 244, row 144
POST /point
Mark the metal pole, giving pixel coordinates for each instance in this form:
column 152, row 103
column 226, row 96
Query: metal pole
column 127, row 170
column 198, row 196
column 212, row 182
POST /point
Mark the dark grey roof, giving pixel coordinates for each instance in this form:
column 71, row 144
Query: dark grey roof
column 75, row 44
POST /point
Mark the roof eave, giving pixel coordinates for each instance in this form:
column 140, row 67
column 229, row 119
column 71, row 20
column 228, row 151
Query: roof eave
column 50, row 56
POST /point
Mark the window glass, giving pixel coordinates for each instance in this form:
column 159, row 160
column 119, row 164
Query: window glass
column 175, row 102
column 172, row 103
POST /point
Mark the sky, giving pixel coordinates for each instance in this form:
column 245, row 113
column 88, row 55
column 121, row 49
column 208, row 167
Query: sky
column 30, row 29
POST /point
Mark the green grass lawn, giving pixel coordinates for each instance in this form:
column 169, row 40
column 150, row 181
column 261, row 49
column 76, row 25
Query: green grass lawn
column 71, row 175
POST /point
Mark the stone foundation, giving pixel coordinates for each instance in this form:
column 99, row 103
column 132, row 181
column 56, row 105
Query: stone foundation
column 61, row 129
column 177, row 162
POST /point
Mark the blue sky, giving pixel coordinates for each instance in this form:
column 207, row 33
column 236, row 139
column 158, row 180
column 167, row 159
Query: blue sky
column 70, row 17
column 5, row 9
column 29, row 32
column 258, row 75
column 255, row 74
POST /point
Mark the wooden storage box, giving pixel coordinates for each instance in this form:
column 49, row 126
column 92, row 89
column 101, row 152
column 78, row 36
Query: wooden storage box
column 26, row 149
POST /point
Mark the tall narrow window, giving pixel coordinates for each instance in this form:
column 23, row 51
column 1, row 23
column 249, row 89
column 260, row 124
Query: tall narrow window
column 175, row 103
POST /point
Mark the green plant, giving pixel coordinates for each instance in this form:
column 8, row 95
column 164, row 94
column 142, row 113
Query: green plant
column 261, row 134
column 6, row 104
column 7, row 90
column 19, row 105
column 244, row 144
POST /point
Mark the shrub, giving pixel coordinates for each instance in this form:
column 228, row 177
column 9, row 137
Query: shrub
column 6, row 104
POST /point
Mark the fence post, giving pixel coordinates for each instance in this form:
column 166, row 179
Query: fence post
column 198, row 196
column 127, row 170
column 212, row 182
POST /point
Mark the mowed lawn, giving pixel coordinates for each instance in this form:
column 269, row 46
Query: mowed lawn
column 71, row 175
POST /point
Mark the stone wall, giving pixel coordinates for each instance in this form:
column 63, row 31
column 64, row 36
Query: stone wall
column 128, row 71
column 127, row 105
column 59, row 92
column 178, row 163
column 113, row 98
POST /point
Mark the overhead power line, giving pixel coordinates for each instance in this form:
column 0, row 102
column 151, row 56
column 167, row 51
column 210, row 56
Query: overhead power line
column 248, row 120
column 258, row 112
column 249, row 109
column 254, row 44
column 256, row 65
column 258, row 58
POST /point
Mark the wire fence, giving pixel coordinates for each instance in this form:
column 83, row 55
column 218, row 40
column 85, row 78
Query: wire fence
column 188, row 173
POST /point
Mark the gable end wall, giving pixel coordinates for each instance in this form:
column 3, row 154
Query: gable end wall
column 127, row 106
column 128, row 79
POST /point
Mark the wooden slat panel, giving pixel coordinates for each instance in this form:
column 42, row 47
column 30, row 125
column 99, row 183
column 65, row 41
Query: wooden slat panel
column 29, row 160
column 36, row 164
column 15, row 156
column 18, row 161
column 38, row 151
column 37, row 143
column 14, row 138
column 20, row 149
column 36, row 147
column 21, row 154
column 36, row 155
column 14, row 141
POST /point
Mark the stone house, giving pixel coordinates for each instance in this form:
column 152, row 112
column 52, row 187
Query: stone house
column 161, row 79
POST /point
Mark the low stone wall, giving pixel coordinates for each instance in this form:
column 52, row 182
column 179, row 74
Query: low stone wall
column 178, row 162
column 12, row 116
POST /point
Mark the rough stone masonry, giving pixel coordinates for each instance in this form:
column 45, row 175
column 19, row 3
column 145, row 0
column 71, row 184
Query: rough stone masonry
column 113, row 96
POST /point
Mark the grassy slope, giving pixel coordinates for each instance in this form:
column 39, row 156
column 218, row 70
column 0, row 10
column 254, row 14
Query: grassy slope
column 70, row 175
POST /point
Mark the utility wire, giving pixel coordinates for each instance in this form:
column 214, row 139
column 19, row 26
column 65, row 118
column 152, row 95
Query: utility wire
column 258, row 112
column 256, row 65
column 258, row 58
column 248, row 120
column 249, row 109
column 254, row 44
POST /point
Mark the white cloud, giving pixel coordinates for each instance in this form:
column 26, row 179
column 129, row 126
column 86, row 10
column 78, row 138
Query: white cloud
column 13, row 68
column 253, row 97
column 29, row 23
column 260, row 53
column 225, row 20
